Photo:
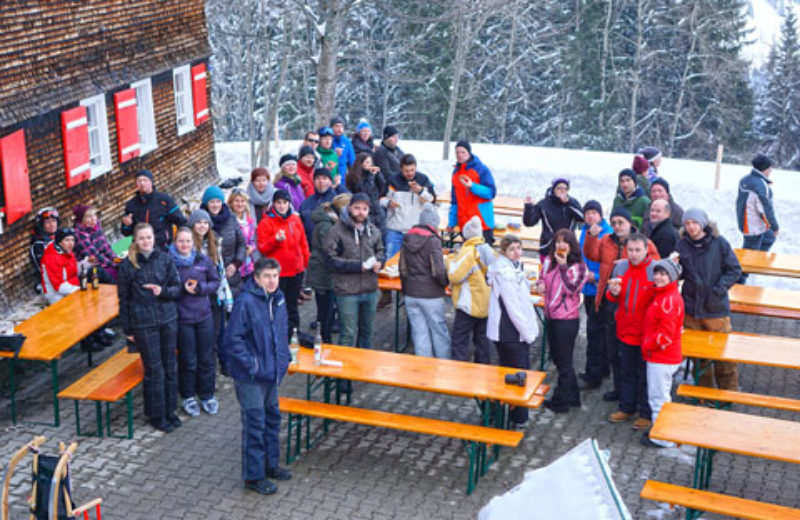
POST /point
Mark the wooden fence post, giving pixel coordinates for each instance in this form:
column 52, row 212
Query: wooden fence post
column 719, row 166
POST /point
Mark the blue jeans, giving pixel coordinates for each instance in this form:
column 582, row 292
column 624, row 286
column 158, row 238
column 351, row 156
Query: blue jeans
column 428, row 326
column 261, row 421
column 356, row 317
column 393, row 242
column 760, row 242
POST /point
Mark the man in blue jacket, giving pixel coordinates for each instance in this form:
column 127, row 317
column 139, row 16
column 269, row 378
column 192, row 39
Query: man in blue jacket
column 597, row 366
column 343, row 146
column 754, row 210
column 256, row 355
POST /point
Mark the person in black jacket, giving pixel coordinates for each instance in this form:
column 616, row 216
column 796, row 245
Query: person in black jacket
column 154, row 208
column 710, row 269
column 362, row 139
column 148, row 286
column 365, row 178
column 44, row 231
column 388, row 155
column 661, row 231
column 557, row 210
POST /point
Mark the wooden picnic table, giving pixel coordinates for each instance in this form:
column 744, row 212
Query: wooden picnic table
column 503, row 205
column 712, row 430
column 776, row 264
column 740, row 347
column 765, row 301
column 55, row 329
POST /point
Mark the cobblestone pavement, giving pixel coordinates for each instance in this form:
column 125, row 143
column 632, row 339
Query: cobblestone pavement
column 359, row 472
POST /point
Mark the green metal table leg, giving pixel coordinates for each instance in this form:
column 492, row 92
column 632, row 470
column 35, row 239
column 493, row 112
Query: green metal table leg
column 472, row 473
column 129, row 409
column 98, row 412
column 396, row 321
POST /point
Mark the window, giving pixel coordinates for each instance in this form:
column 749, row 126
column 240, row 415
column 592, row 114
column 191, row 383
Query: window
column 144, row 111
column 184, row 108
column 99, row 149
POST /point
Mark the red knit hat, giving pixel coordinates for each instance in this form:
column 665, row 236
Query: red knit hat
column 640, row 165
column 79, row 211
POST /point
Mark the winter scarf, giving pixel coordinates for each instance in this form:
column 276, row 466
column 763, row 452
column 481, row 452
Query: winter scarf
column 259, row 200
column 220, row 219
column 181, row 260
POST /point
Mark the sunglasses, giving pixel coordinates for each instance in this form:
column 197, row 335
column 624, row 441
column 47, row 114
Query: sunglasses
column 315, row 141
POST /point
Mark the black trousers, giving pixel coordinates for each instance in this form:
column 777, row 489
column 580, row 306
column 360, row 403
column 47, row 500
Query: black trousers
column 633, row 381
column 325, row 313
column 157, row 345
column 488, row 235
column 607, row 310
column 291, row 287
column 561, row 335
column 597, row 365
column 196, row 362
column 515, row 355
column 465, row 325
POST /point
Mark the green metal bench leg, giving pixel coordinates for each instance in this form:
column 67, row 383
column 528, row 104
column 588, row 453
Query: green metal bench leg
column 396, row 321
column 98, row 419
column 129, row 410
column 473, row 467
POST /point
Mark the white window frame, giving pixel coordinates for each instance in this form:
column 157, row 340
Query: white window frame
column 144, row 115
column 184, row 103
column 97, row 120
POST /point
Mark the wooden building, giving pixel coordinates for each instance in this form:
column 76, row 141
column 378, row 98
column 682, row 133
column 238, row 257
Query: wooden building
column 90, row 92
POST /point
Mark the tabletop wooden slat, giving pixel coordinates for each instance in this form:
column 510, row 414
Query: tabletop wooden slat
column 777, row 264
column 53, row 330
column 97, row 385
column 441, row 376
column 732, row 432
column 740, row 347
column 500, row 201
column 779, row 299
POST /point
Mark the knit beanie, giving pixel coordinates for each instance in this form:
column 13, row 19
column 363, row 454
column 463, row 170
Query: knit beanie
column 473, row 228
column 287, row 158
column 429, row 216
column 322, row 172
column 465, row 145
column 560, row 180
column 640, row 164
column 198, row 215
column 593, row 205
column 211, row 193
column 761, row 162
column 672, row 269
column 651, row 153
column 62, row 233
column 79, row 211
column 305, row 150
column 337, row 120
column 622, row 212
column 627, row 172
column 145, row 173
column 696, row 214
column 360, row 197
column 389, row 131
column 281, row 195
column 342, row 200
column 662, row 181
column 362, row 125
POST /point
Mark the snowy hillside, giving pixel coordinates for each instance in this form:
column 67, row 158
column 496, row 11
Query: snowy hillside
column 523, row 170
column 765, row 20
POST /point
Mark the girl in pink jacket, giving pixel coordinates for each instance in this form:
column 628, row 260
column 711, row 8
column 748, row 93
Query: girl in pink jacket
column 563, row 278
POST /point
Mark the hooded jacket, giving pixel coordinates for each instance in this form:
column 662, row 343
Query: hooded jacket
column 467, row 274
column 256, row 343
column 59, row 273
column 388, row 160
column 194, row 308
column 292, row 253
column 638, row 204
column 422, row 270
column 590, row 289
column 403, row 217
column 310, row 205
column 510, row 307
column 755, row 213
column 346, row 249
column 562, row 289
column 710, row 269
column 348, row 156
column 328, row 158
column 294, row 185
column 607, row 251
column 554, row 215
column 663, row 323
column 477, row 200
column 635, row 296
column 319, row 276
column 157, row 209
column 139, row 308
column 359, row 146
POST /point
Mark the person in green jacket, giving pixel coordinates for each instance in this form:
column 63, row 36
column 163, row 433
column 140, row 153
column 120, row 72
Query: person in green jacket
column 327, row 155
column 631, row 197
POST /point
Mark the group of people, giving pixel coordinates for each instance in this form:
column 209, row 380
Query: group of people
column 226, row 283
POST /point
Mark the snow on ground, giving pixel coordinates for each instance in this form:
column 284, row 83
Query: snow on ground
column 528, row 170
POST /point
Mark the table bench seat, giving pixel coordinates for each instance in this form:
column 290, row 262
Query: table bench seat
column 730, row 396
column 109, row 382
column 475, row 437
column 716, row 502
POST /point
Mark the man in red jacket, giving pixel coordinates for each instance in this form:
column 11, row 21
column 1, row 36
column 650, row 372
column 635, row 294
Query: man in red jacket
column 631, row 288
column 661, row 349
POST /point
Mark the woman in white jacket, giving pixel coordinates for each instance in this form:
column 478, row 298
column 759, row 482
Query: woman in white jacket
column 512, row 321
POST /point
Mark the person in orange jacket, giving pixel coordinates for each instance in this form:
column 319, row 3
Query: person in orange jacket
column 280, row 235
column 472, row 192
column 661, row 348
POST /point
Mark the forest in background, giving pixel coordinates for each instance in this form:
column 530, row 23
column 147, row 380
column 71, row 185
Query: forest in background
column 604, row 75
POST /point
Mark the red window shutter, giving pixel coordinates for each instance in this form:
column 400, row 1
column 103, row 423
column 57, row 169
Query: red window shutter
column 75, row 133
column 127, row 124
column 199, row 94
column 16, row 187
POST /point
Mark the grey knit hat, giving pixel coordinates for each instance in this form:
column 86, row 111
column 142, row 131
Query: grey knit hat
column 473, row 228
column 672, row 269
column 429, row 216
column 696, row 214
column 198, row 215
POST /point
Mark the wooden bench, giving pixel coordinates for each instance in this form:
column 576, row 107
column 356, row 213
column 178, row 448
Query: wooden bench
column 695, row 499
column 729, row 396
column 112, row 380
column 475, row 438
column 764, row 301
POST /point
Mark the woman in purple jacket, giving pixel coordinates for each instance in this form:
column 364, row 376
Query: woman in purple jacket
column 196, row 363
column 91, row 242
column 563, row 278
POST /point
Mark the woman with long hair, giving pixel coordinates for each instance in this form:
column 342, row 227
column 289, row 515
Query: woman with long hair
column 240, row 207
column 148, row 286
column 363, row 177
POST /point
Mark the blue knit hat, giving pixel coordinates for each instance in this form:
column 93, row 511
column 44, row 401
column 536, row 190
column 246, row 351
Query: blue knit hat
column 362, row 125
column 213, row 192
